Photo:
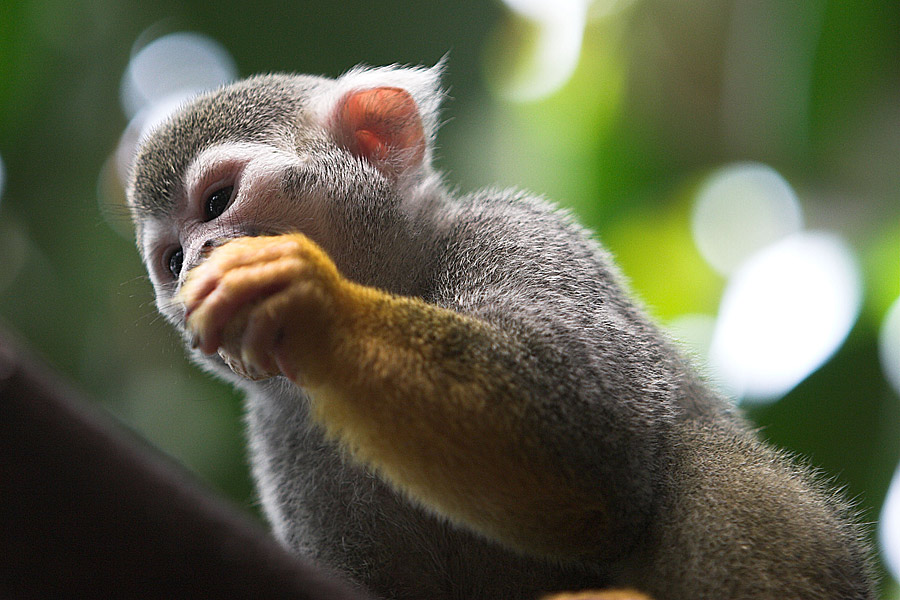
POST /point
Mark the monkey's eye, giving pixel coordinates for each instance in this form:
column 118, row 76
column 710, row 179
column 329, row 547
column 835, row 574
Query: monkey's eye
column 217, row 202
column 176, row 260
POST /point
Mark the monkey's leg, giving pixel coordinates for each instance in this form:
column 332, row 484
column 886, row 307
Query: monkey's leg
column 618, row 594
column 435, row 401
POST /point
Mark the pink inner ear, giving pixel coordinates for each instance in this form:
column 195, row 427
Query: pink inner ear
column 382, row 125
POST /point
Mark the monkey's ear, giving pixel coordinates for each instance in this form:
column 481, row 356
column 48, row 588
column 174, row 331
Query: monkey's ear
column 386, row 115
column 383, row 126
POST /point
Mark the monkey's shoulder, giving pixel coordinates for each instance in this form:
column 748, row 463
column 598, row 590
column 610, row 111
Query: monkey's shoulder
column 512, row 213
column 510, row 252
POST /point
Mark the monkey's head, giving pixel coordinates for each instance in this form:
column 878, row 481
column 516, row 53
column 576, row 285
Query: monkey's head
column 335, row 159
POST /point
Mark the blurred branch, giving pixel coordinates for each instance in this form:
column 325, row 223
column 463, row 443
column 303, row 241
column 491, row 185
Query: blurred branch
column 86, row 511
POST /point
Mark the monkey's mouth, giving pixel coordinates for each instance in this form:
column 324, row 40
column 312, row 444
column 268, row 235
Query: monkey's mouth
column 240, row 369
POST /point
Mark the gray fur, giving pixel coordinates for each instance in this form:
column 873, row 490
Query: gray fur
column 701, row 508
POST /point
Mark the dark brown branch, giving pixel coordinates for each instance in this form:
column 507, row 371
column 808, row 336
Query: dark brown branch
column 88, row 511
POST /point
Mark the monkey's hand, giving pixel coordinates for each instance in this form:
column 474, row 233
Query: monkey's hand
column 264, row 303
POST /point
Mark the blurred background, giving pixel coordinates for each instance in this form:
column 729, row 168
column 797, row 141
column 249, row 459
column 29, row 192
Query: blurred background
column 740, row 158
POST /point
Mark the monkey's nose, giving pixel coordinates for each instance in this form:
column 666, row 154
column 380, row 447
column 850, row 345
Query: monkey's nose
column 197, row 254
column 210, row 245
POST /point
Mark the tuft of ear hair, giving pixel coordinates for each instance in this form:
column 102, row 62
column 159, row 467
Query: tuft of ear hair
column 387, row 115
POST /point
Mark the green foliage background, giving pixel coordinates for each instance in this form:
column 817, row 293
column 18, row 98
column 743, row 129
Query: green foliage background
column 624, row 144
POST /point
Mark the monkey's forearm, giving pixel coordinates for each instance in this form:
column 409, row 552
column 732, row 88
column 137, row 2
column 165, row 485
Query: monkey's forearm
column 430, row 398
column 425, row 396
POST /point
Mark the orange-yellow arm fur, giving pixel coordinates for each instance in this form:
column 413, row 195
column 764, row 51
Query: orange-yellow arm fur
column 413, row 390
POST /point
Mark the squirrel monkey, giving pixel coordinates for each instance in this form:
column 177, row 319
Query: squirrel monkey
column 454, row 396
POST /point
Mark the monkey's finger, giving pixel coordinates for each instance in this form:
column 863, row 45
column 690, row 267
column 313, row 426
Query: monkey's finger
column 279, row 331
column 230, row 349
column 197, row 286
column 236, row 289
column 264, row 328
column 237, row 253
